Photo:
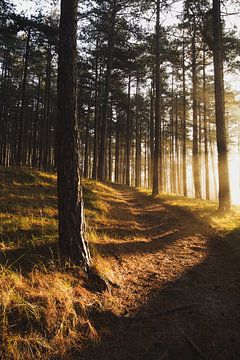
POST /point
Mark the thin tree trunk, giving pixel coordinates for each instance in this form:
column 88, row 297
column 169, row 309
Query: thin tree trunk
column 103, row 140
column 128, row 132
column 206, row 156
column 196, row 175
column 23, row 101
column 157, row 144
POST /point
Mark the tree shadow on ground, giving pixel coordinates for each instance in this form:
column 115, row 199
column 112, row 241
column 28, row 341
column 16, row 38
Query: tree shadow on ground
column 196, row 316
column 193, row 316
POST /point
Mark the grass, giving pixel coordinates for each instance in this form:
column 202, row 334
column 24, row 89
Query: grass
column 44, row 308
column 205, row 212
column 44, row 305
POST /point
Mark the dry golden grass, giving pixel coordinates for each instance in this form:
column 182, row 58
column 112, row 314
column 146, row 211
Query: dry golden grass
column 44, row 309
column 205, row 211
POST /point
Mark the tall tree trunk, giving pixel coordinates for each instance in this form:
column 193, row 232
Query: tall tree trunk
column 184, row 127
column 70, row 203
column 86, row 152
column 224, row 189
column 151, row 134
column 206, row 156
column 110, row 144
column 103, row 140
column 23, row 101
column 157, row 144
column 96, row 113
column 138, row 140
column 196, row 175
column 128, row 132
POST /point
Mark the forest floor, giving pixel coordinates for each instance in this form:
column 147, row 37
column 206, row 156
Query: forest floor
column 179, row 284
column 175, row 263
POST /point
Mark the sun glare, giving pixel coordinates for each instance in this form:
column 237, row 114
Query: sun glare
column 234, row 173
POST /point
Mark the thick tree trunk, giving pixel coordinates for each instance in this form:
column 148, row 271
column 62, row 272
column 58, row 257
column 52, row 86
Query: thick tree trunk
column 72, row 243
column 224, row 190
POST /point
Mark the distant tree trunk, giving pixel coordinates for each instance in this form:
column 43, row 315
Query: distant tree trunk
column 172, row 153
column 46, row 119
column 184, row 127
column 128, row 132
column 151, row 134
column 206, row 156
column 224, row 189
column 96, row 113
column 86, row 152
column 110, row 145
column 117, row 145
column 103, row 139
column 23, row 101
column 36, row 125
column 138, row 140
column 72, row 243
column 196, row 175
column 157, row 144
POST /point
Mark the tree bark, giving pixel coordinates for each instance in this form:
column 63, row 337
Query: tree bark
column 224, row 189
column 157, row 144
column 72, row 243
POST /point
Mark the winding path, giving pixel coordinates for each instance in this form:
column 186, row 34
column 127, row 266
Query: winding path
column 179, row 293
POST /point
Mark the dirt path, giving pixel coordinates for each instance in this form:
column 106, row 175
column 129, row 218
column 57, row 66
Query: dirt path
column 179, row 294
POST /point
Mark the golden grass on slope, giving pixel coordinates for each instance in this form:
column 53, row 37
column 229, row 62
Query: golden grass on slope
column 44, row 308
column 204, row 211
column 43, row 315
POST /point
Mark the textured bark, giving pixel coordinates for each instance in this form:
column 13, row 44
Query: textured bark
column 224, row 191
column 70, row 203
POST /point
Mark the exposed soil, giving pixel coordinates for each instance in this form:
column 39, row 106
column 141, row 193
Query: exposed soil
column 179, row 293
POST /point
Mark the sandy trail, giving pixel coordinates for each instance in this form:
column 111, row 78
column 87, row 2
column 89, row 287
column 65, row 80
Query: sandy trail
column 179, row 296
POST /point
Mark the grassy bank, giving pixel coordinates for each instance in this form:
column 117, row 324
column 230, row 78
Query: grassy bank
column 44, row 306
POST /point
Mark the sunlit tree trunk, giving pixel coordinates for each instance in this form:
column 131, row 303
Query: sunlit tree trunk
column 196, row 169
column 184, row 127
column 205, row 128
column 157, row 144
column 224, row 190
column 103, row 138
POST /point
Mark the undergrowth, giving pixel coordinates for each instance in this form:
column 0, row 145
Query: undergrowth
column 44, row 305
